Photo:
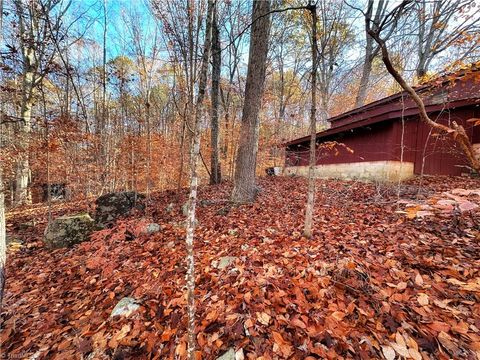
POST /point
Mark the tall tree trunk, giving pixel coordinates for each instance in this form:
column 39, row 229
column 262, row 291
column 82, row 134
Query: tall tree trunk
column 244, row 189
column 307, row 231
column 3, row 237
column 371, row 51
column 215, row 174
column 367, row 69
column 367, row 63
column 22, row 179
column 421, row 69
column 192, row 199
column 3, row 240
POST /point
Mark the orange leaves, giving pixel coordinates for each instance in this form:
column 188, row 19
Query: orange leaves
column 368, row 284
column 94, row 263
column 419, row 280
column 263, row 318
column 338, row 315
column 281, row 346
column 404, row 346
column 181, row 349
column 119, row 336
column 402, row 285
column 423, row 299
column 298, row 323
column 167, row 334
column 439, row 326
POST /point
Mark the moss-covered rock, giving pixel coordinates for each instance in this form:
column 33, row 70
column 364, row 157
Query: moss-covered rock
column 112, row 206
column 67, row 231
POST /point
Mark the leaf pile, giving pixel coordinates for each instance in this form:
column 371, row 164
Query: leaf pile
column 454, row 202
column 369, row 284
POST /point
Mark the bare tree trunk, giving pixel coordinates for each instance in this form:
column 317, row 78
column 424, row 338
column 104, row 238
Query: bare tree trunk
column 244, row 189
column 307, row 231
column 370, row 51
column 3, row 240
column 367, row 64
column 3, row 237
column 192, row 199
column 367, row 69
column 215, row 174
column 22, row 193
column 47, row 145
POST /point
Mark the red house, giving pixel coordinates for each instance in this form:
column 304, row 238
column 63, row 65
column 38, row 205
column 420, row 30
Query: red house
column 386, row 140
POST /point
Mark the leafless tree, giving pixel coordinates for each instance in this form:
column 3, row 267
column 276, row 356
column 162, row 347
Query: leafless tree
column 215, row 167
column 307, row 231
column 37, row 58
column 441, row 24
column 371, row 49
column 3, row 240
column 192, row 199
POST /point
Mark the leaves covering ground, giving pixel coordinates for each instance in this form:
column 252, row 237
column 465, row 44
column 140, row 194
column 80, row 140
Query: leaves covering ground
column 371, row 283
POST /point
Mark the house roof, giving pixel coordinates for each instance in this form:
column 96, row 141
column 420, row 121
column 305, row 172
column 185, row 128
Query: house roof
column 442, row 94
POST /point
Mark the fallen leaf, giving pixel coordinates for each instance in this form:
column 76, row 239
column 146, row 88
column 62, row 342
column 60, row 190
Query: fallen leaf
column 419, row 280
column 263, row 318
column 338, row 315
column 422, row 299
column 414, row 354
column 388, row 352
column 448, row 343
column 401, row 285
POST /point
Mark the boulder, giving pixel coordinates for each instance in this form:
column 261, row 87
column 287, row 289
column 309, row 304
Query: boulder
column 67, row 231
column 111, row 206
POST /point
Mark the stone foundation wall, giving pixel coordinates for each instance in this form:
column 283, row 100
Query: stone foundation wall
column 385, row 171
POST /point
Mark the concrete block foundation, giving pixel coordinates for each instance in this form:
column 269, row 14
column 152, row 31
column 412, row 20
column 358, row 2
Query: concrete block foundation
column 384, row 171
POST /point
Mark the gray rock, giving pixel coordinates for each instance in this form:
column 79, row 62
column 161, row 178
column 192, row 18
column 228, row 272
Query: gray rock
column 232, row 355
column 152, row 228
column 125, row 307
column 229, row 355
column 223, row 262
column 67, row 231
column 112, row 206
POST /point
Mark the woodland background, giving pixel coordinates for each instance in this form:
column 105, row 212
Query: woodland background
column 99, row 95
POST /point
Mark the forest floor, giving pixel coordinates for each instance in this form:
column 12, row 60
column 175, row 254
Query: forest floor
column 375, row 281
